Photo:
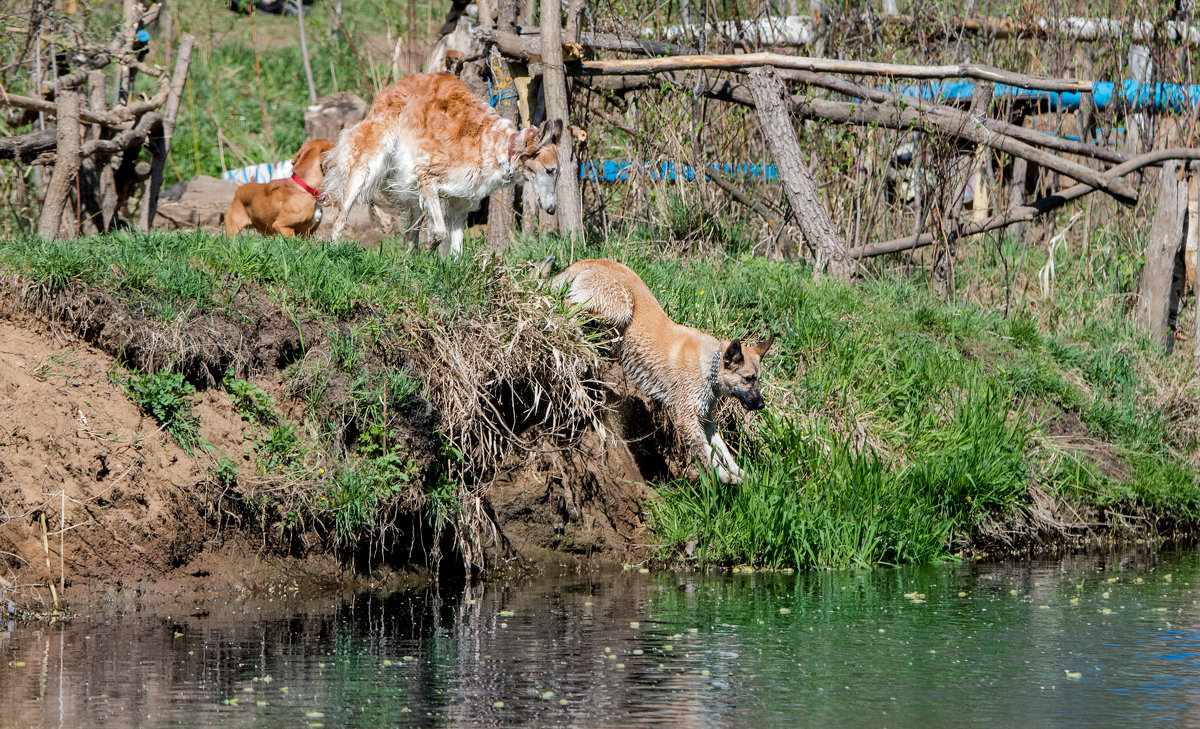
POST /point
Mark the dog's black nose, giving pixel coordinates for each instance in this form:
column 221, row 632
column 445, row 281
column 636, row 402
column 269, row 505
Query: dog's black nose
column 550, row 210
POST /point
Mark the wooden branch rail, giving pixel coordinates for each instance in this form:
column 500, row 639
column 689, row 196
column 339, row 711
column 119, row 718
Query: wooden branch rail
column 26, row 147
column 1072, row 28
column 526, row 49
column 798, row 30
column 1025, row 213
column 1029, row 136
column 613, row 42
column 118, row 118
column 737, row 62
column 946, row 120
column 970, row 129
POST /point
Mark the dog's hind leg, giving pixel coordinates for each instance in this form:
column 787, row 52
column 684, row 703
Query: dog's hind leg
column 414, row 223
column 431, row 203
column 236, row 218
column 356, row 172
column 456, row 222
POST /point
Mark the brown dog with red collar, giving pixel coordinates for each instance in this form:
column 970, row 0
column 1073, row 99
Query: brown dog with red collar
column 283, row 207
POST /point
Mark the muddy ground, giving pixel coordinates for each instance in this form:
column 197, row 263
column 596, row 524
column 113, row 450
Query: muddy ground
column 97, row 502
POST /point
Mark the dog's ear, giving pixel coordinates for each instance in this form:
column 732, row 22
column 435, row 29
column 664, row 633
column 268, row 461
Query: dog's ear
column 733, row 355
column 549, row 132
column 764, row 346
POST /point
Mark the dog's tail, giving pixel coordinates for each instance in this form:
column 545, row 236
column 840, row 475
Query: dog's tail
column 601, row 293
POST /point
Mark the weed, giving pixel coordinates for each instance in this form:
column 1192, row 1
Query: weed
column 226, row 472
column 251, row 401
column 280, row 449
column 166, row 396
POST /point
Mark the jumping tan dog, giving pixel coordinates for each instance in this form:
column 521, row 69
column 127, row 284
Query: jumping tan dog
column 432, row 146
column 283, row 207
column 681, row 367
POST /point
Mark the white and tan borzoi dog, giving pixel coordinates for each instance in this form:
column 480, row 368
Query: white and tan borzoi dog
column 432, row 146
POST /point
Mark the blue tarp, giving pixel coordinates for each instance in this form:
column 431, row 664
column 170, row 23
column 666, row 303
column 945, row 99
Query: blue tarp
column 613, row 171
column 1128, row 95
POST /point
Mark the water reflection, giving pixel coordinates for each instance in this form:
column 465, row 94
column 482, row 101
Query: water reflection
column 1097, row 641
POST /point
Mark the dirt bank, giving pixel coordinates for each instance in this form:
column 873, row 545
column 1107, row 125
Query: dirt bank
column 96, row 500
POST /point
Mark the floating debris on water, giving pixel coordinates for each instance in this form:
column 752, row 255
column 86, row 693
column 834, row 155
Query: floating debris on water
column 546, row 695
column 497, row 704
column 507, row 613
column 635, row 624
column 784, row 611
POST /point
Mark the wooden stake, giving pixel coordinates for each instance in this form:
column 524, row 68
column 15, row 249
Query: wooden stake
column 554, row 85
column 66, row 164
column 810, row 212
column 312, row 89
column 1166, row 236
column 501, row 216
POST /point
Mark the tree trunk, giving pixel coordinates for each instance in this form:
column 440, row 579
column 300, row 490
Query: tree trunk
column 554, row 84
column 810, row 212
column 1166, row 236
column 66, row 164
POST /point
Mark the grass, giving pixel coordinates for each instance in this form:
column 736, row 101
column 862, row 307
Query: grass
column 899, row 426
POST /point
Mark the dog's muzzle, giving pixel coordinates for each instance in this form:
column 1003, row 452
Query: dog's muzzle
column 750, row 401
column 550, row 210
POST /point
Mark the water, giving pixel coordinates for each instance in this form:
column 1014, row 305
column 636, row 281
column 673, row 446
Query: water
column 1089, row 642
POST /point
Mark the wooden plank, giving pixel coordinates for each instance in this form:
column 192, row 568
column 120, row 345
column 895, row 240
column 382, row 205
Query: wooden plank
column 1166, row 236
column 811, row 214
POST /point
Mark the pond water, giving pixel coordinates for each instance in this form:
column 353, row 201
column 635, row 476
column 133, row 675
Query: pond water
column 1109, row 640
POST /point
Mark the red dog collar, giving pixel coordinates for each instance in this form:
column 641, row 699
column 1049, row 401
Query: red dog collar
column 307, row 188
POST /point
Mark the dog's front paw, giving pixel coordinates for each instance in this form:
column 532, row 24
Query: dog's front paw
column 729, row 478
